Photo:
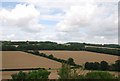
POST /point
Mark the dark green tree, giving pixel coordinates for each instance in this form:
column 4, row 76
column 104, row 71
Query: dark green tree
column 71, row 61
column 51, row 56
column 104, row 65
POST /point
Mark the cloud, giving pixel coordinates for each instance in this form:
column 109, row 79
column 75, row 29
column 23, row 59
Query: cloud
column 98, row 20
column 92, row 21
column 77, row 17
column 25, row 17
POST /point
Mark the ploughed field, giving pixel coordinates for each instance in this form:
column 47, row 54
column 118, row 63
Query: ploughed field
column 81, row 57
column 19, row 60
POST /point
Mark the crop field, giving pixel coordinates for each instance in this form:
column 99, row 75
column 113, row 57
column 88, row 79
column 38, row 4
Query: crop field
column 81, row 57
column 18, row 59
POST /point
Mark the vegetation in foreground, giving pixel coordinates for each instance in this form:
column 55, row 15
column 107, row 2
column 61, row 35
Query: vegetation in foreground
column 40, row 74
column 65, row 73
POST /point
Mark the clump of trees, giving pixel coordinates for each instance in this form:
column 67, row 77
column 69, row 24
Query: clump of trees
column 70, row 61
column 66, row 73
column 104, row 50
column 104, row 66
column 9, row 48
column 51, row 46
column 40, row 74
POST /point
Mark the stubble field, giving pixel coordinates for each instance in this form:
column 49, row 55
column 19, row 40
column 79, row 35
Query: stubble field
column 18, row 59
column 81, row 57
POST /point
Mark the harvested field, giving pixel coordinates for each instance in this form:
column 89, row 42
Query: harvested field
column 18, row 59
column 80, row 57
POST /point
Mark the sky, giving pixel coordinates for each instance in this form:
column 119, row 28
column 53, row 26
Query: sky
column 90, row 21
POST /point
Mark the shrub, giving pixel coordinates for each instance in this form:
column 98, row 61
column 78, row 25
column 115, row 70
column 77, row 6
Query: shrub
column 40, row 74
column 99, row 75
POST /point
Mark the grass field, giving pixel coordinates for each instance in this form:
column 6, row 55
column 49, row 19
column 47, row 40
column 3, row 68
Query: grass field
column 18, row 59
column 80, row 57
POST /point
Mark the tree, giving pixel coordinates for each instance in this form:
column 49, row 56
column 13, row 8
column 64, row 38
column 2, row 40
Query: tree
column 96, row 66
column 36, row 52
column 66, row 73
column 104, row 65
column 71, row 61
column 117, row 65
column 87, row 65
column 51, row 56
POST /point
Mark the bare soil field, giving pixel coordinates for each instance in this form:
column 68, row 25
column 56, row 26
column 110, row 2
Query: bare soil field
column 80, row 57
column 18, row 59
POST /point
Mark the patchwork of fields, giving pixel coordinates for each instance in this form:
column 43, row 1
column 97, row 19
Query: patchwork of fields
column 80, row 57
column 18, row 59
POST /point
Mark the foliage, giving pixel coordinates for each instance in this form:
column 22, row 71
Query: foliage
column 71, row 61
column 103, row 50
column 40, row 74
column 9, row 48
column 66, row 73
column 99, row 75
column 104, row 66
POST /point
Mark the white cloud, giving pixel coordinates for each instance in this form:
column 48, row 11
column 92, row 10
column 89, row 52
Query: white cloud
column 76, row 17
column 24, row 16
column 98, row 18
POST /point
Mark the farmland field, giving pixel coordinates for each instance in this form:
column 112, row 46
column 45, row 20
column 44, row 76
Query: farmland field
column 18, row 59
column 80, row 57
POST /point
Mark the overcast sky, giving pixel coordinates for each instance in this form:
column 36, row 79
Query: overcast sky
column 91, row 21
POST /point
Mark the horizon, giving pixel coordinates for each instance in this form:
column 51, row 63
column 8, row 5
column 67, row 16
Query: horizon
column 56, row 42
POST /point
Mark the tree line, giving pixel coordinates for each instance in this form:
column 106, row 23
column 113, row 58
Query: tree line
column 70, row 61
column 51, row 46
column 103, row 65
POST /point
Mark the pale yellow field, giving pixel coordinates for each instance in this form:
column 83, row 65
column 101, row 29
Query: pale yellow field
column 80, row 57
column 18, row 59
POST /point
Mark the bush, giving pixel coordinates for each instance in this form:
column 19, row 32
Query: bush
column 99, row 75
column 40, row 74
